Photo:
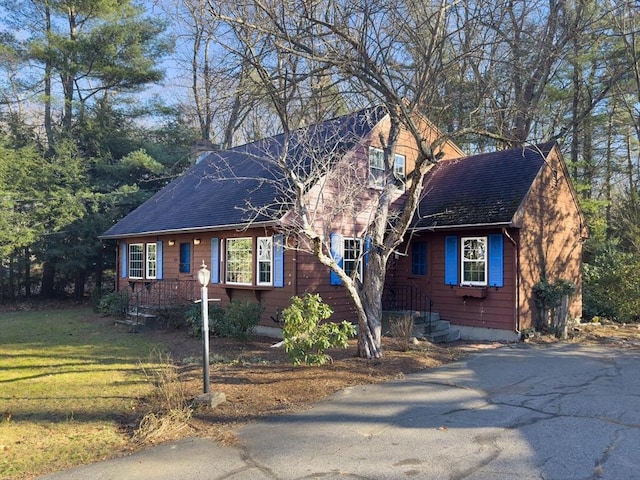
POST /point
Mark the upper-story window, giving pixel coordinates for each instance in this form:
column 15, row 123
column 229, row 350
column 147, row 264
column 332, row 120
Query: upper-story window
column 377, row 170
column 376, row 167
column 474, row 260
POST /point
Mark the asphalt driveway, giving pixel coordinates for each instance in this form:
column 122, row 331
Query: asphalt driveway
column 560, row 412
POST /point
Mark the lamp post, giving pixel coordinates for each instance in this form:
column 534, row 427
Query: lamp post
column 204, row 276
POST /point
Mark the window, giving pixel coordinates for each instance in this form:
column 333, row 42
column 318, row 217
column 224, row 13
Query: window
column 474, row 261
column 136, row 260
column 376, row 167
column 152, row 260
column 264, row 256
column 351, row 257
column 399, row 170
column 240, row 261
column 185, row 258
column 419, row 258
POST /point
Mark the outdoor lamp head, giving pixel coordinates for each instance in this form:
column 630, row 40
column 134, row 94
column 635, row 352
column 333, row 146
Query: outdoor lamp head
column 204, row 275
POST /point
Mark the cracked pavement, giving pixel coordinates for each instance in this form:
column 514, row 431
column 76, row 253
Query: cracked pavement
column 562, row 411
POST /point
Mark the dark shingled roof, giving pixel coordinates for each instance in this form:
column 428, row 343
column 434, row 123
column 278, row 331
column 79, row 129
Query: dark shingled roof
column 484, row 189
column 215, row 192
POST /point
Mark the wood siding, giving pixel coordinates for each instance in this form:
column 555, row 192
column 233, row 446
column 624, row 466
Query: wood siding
column 552, row 231
column 496, row 310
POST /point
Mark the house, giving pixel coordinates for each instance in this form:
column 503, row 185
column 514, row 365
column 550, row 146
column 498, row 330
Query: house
column 488, row 227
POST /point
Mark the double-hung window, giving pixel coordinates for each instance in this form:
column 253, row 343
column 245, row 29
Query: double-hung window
column 352, row 257
column 264, row 258
column 419, row 258
column 136, row 260
column 474, row 260
column 152, row 260
column 240, row 261
column 376, row 167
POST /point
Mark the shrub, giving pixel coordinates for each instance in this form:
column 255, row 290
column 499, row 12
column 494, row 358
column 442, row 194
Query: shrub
column 114, row 304
column 305, row 338
column 239, row 320
column 193, row 319
column 552, row 301
column 611, row 285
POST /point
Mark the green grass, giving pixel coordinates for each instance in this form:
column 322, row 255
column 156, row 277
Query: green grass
column 66, row 385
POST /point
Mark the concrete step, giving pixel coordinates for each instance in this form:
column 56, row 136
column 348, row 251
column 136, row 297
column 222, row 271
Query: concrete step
column 139, row 318
column 424, row 329
column 447, row 336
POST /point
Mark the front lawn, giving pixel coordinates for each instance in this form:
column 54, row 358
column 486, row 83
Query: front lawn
column 66, row 387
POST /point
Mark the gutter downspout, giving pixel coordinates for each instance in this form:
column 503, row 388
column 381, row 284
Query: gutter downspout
column 516, row 266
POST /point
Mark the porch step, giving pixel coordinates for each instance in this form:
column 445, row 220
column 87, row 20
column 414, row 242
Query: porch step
column 138, row 319
column 436, row 331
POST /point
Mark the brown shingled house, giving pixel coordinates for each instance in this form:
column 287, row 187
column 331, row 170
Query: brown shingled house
column 488, row 228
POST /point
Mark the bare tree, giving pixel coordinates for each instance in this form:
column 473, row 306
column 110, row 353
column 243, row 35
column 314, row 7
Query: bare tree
column 381, row 51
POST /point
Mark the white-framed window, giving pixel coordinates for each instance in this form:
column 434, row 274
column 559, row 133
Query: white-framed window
column 376, row 167
column 239, row 257
column 474, row 260
column 399, row 170
column 352, row 256
column 151, row 260
column 136, row 260
column 264, row 257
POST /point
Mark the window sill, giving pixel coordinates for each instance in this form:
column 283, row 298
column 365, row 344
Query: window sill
column 472, row 292
column 244, row 287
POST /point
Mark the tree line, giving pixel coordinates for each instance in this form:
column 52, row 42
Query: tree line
column 101, row 103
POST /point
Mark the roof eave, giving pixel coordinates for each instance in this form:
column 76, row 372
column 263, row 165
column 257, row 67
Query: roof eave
column 176, row 231
column 465, row 226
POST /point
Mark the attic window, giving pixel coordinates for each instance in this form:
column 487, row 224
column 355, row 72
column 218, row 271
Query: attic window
column 376, row 167
column 556, row 178
column 377, row 170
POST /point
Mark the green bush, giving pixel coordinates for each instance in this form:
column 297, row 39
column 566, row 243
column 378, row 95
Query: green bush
column 305, row 338
column 611, row 285
column 114, row 304
column 240, row 320
column 193, row 319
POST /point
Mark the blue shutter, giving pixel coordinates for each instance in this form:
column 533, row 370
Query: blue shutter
column 215, row 260
column 337, row 246
column 367, row 248
column 278, row 260
column 123, row 259
column 451, row 260
column 159, row 260
column 496, row 261
column 185, row 258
